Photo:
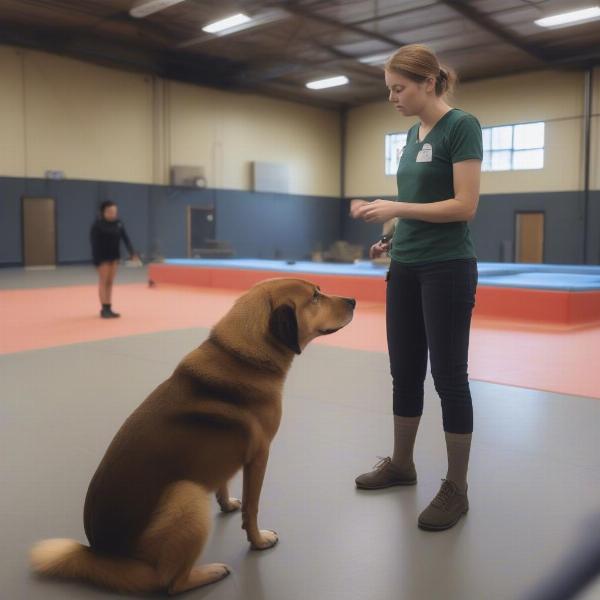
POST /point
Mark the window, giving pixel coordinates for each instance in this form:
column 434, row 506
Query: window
column 394, row 144
column 513, row 147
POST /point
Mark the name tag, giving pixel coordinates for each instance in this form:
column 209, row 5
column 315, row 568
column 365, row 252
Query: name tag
column 425, row 154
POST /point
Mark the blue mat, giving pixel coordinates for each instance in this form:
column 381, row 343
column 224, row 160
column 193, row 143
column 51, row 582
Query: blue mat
column 543, row 277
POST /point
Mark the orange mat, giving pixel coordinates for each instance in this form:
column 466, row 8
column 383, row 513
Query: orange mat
column 552, row 307
column 560, row 308
column 361, row 288
column 544, row 359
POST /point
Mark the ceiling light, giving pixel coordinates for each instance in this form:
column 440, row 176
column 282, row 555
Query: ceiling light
column 327, row 83
column 374, row 59
column 570, row 18
column 263, row 17
column 151, row 6
column 227, row 23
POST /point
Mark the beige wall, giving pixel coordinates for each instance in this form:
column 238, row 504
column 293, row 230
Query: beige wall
column 225, row 132
column 88, row 121
column 553, row 96
column 595, row 142
column 62, row 114
column 12, row 125
column 97, row 123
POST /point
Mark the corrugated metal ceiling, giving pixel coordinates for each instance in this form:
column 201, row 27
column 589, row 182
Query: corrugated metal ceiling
column 302, row 40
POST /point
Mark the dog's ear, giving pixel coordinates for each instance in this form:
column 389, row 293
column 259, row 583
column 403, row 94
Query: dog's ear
column 284, row 326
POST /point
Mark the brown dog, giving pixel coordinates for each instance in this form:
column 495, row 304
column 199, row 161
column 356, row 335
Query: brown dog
column 147, row 510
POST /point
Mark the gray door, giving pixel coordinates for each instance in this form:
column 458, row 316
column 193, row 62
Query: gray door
column 201, row 228
column 39, row 232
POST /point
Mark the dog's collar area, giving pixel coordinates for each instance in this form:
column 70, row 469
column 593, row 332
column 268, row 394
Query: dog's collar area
column 328, row 331
column 261, row 363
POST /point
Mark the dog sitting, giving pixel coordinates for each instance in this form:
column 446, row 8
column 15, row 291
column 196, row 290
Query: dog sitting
column 147, row 509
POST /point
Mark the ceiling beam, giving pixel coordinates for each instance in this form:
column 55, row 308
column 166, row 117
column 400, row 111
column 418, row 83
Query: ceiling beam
column 583, row 60
column 214, row 71
column 257, row 73
column 367, row 71
column 294, row 8
column 398, row 13
column 485, row 22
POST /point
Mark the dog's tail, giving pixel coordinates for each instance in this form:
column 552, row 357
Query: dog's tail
column 70, row 560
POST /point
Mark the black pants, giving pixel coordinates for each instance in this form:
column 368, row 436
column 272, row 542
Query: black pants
column 429, row 307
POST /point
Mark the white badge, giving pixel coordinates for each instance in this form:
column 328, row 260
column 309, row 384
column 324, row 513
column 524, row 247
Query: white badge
column 425, row 154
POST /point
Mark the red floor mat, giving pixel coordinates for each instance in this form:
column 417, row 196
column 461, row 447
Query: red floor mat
column 552, row 360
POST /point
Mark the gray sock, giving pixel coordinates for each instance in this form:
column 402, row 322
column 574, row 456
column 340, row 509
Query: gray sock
column 405, row 432
column 458, row 446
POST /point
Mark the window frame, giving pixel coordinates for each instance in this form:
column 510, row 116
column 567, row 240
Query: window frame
column 487, row 163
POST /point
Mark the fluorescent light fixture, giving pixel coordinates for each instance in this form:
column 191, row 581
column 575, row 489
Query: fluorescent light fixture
column 327, row 83
column 150, row 7
column 227, row 23
column 570, row 18
column 265, row 17
column 374, row 59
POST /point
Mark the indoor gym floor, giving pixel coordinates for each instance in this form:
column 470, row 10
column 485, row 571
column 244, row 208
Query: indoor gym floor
column 68, row 380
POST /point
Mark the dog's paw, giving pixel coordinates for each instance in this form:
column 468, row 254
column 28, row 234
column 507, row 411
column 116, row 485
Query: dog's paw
column 231, row 505
column 198, row 577
column 267, row 540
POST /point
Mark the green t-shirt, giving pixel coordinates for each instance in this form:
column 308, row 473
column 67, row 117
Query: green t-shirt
column 425, row 175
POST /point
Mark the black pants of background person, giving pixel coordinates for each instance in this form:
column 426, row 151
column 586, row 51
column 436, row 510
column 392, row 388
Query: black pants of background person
column 429, row 307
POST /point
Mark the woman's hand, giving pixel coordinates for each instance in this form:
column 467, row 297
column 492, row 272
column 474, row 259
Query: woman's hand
column 378, row 211
column 355, row 206
column 379, row 249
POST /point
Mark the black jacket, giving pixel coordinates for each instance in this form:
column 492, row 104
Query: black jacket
column 106, row 238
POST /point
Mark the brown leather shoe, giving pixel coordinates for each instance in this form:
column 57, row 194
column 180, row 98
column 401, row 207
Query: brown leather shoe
column 386, row 474
column 445, row 509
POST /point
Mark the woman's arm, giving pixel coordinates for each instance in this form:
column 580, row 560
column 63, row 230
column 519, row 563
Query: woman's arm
column 462, row 207
column 126, row 240
column 95, row 241
column 389, row 227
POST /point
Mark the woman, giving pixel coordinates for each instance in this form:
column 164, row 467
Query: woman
column 432, row 277
column 106, row 235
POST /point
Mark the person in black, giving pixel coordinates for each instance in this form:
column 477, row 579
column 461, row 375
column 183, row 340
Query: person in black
column 106, row 235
